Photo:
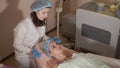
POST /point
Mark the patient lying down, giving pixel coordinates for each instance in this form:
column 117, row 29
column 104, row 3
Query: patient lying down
column 57, row 56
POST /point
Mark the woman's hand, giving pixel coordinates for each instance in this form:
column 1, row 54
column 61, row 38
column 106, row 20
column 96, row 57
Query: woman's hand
column 35, row 53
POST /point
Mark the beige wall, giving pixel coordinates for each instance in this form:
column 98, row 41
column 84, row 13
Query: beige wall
column 70, row 6
column 51, row 20
column 11, row 12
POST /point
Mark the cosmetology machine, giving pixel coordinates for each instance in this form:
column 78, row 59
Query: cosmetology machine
column 97, row 30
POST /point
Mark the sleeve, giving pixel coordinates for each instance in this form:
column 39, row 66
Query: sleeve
column 19, row 35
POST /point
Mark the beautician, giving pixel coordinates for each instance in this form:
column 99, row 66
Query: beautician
column 29, row 32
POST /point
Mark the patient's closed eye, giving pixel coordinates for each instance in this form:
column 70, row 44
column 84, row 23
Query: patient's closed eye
column 53, row 46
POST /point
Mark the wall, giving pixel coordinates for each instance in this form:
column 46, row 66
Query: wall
column 51, row 20
column 11, row 12
column 70, row 6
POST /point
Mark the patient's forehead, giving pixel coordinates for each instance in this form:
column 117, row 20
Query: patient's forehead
column 52, row 42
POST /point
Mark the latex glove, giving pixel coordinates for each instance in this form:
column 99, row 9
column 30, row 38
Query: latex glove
column 35, row 53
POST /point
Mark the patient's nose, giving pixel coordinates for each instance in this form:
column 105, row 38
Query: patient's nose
column 57, row 46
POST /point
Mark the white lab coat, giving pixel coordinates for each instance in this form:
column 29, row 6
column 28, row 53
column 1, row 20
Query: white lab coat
column 26, row 35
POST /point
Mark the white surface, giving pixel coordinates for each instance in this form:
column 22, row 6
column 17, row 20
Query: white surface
column 100, row 21
column 112, row 62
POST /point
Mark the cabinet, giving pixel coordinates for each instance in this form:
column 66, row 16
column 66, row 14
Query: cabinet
column 97, row 31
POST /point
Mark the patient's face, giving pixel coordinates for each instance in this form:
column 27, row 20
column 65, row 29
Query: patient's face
column 57, row 51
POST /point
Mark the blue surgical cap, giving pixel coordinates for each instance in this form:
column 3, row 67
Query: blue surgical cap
column 40, row 4
column 45, row 46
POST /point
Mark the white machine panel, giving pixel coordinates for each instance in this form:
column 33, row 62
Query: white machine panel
column 97, row 32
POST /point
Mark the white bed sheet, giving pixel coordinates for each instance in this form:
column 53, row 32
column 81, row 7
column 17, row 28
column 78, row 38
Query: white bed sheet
column 112, row 62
